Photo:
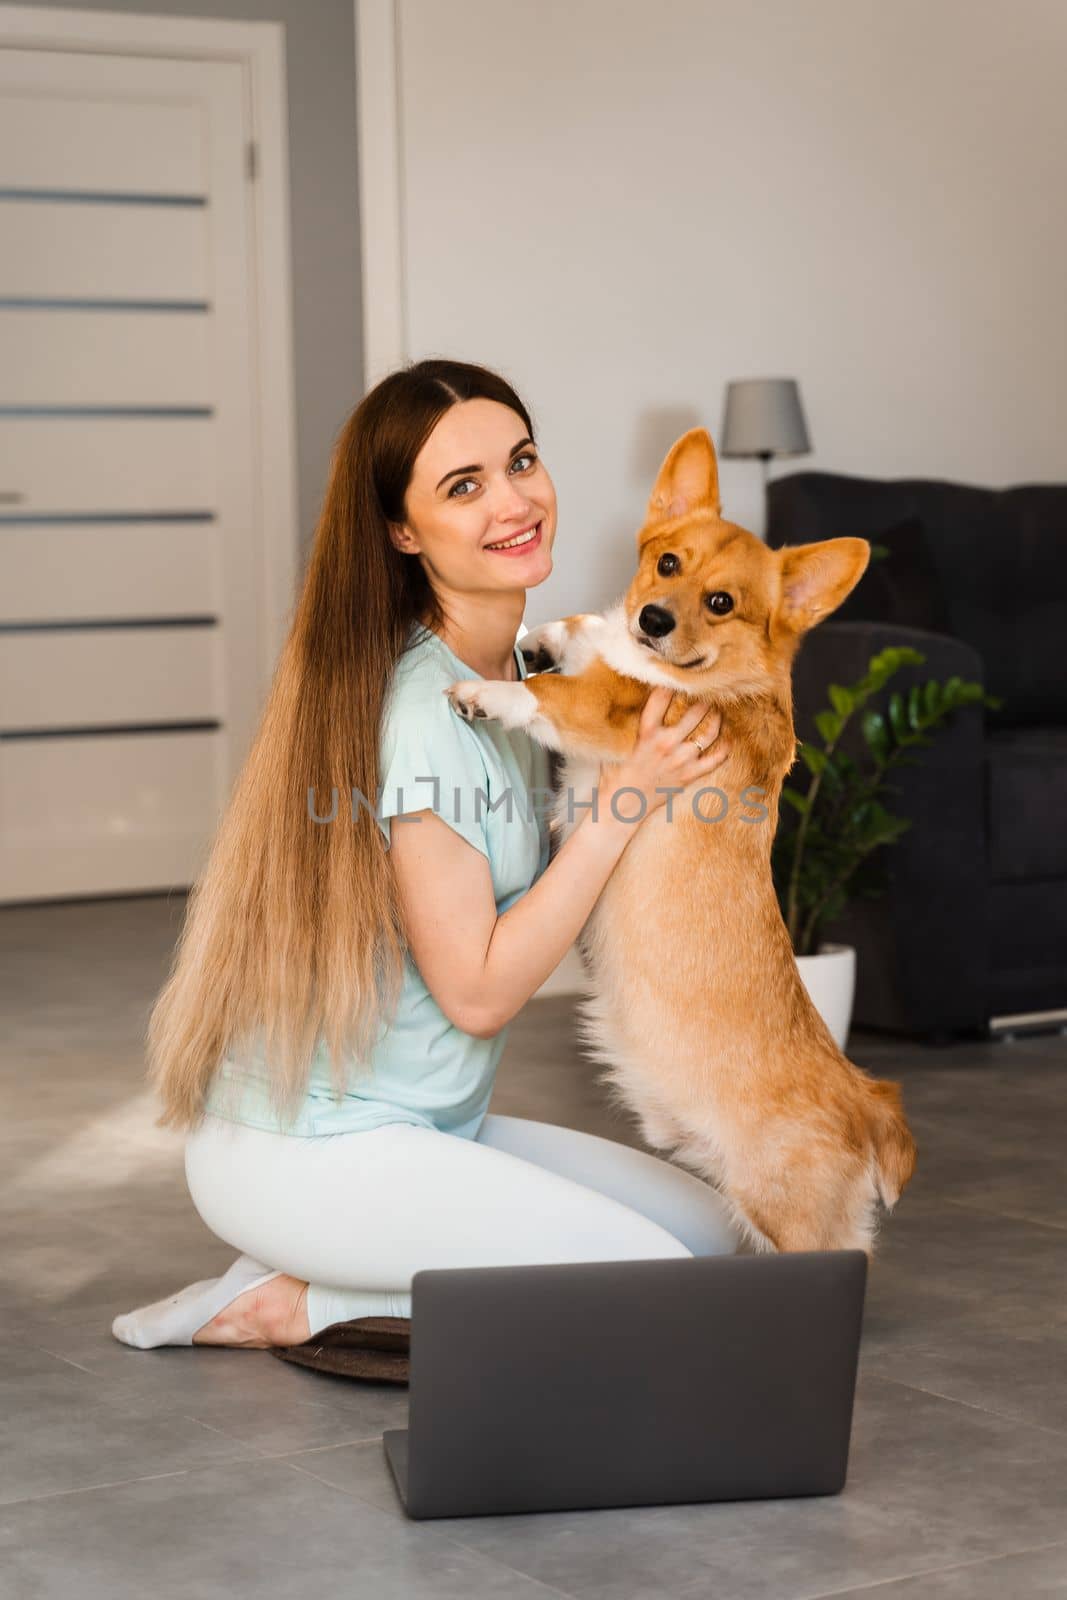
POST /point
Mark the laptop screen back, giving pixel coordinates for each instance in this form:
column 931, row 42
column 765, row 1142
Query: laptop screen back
column 632, row 1382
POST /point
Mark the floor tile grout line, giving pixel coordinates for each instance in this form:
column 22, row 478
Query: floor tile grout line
column 505, row 1566
column 270, row 1455
column 1008, row 1216
column 67, row 1360
column 969, row 1405
column 349, row 1494
column 246, row 1459
column 318, row 1449
column 438, row 1532
column 926, row 1572
column 116, row 1402
column 527, row 1577
column 92, row 1488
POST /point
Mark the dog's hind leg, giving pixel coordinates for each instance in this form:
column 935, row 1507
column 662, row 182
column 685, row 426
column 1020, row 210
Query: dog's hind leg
column 812, row 1215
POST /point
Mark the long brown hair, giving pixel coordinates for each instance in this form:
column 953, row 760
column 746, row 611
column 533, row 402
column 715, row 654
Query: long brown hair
column 294, row 927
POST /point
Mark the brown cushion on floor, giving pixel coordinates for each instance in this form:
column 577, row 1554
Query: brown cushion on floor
column 375, row 1349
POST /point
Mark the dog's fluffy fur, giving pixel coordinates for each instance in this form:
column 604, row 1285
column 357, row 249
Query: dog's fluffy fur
column 697, row 1007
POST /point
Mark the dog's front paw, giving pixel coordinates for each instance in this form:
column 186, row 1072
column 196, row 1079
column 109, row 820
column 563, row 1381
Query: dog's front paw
column 542, row 647
column 508, row 703
column 465, row 697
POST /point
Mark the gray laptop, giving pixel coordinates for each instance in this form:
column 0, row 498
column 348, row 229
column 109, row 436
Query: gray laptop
column 629, row 1383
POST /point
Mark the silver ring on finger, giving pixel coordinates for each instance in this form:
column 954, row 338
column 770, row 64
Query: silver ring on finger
column 700, row 747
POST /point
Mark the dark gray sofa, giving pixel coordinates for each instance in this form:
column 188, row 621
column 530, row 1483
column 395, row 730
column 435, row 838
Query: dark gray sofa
column 974, row 924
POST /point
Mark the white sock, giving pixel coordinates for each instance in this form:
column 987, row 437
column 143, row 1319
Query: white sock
column 175, row 1319
column 325, row 1306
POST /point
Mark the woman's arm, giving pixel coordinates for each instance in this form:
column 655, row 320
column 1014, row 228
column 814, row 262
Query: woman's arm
column 481, row 968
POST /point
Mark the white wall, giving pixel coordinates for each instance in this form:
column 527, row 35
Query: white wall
column 624, row 203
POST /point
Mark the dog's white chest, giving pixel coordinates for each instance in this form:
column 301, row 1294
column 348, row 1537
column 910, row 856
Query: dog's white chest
column 578, row 783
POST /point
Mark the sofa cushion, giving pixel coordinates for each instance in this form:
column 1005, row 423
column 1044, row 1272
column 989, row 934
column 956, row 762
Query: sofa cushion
column 1026, row 799
column 902, row 586
column 1001, row 555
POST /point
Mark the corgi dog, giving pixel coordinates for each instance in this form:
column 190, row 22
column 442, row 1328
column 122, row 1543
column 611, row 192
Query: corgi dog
column 697, row 1008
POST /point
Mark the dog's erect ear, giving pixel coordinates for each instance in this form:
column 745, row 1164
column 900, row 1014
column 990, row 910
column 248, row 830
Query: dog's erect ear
column 817, row 577
column 688, row 481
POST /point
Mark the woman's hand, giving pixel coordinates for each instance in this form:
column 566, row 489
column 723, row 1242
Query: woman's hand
column 663, row 757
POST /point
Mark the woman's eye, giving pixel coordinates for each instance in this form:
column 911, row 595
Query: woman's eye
column 453, row 493
column 667, row 565
column 719, row 602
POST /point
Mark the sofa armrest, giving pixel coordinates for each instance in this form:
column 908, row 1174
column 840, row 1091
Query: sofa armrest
column 840, row 652
column 923, row 948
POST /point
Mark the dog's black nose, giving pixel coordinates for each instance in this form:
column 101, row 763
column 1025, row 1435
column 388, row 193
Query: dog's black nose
column 655, row 621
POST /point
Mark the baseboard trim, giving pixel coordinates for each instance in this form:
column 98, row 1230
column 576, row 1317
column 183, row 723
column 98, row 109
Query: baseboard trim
column 1029, row 1022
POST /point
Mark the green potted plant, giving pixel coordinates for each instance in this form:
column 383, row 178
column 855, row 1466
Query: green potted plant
column 834, row 854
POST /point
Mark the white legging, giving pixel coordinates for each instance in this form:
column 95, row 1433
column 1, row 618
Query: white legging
column 356, row 1215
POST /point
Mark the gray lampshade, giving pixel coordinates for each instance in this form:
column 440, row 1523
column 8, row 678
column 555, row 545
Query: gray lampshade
column 763, row 417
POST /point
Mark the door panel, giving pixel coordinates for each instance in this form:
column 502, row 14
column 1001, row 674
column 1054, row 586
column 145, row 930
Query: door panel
column 83, row 359
column 141, row 135
column 116, row 570
column 103, row 677
column 116, row 252
column 130, row 567
column 131, row 812
column 101, row 464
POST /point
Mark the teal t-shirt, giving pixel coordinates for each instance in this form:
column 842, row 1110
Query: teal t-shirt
column 424, row 1069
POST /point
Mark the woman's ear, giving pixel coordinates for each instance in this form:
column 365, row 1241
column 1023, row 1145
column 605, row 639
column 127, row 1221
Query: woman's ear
column 404, row 540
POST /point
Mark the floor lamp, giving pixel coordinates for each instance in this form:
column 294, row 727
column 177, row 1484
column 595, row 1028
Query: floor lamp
column 763, row 417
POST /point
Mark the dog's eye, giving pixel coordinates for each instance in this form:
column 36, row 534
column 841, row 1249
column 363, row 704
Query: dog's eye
column 667, row 565
column 719, row 603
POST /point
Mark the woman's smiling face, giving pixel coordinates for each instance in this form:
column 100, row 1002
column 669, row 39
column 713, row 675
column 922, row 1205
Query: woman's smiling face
column 478, row 482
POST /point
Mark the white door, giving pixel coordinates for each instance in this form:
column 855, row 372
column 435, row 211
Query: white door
column 131, row 667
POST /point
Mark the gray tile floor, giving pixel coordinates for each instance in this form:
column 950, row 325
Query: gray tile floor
column 205, row 1473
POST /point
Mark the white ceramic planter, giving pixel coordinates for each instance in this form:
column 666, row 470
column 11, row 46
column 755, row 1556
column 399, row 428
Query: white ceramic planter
column 830, row 979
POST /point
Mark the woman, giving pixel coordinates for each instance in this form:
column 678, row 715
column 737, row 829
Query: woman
column 338, row 1004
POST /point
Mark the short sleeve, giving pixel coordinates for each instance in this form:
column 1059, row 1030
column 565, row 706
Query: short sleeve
column 429, row 757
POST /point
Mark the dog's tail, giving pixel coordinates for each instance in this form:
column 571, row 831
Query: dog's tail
column 894, row 1148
